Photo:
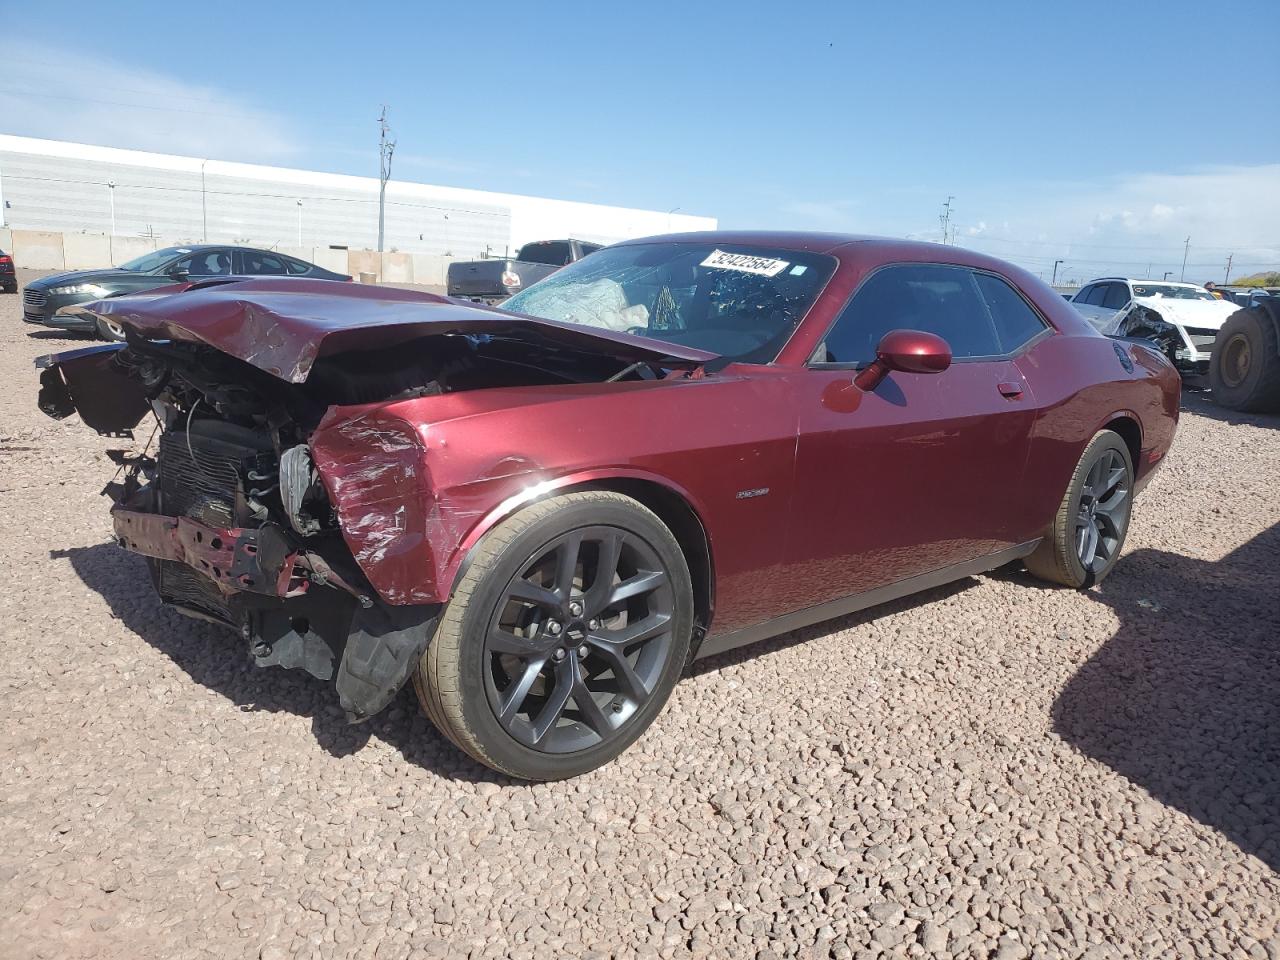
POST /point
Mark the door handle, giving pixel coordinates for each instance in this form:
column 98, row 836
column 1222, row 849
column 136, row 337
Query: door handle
column 1011, row 389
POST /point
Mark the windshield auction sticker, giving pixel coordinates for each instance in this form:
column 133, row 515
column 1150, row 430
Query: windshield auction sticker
column 764, row 266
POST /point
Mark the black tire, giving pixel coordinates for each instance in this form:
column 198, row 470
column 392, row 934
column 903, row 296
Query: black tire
column 108, row 330
column 471, row 673
column 1244, row 371
column 1061, row 557
column 12, row 289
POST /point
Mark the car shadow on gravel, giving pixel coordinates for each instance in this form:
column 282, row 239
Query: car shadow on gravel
column 1201, row 404
column 69, row 336
column 848, row 622
column 1184, row 700
column 216, row 658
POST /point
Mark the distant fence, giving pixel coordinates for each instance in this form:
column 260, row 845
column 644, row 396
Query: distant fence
column 50, row 250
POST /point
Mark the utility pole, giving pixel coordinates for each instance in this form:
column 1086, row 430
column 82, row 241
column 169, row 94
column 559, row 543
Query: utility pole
column 1186, row 247
column 1056, row 264
column 945, row 218
column 299, row 223
column 386, row 147
column 1226, row 278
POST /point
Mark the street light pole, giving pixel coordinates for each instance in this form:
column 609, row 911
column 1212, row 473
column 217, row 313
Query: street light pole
column 111, row 240
column 669, row 213
column 299, row 223
column 1166, row 274
column 1056, row 264
column 1185, row 248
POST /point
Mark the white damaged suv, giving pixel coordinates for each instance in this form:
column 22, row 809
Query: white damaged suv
column 1182, row 319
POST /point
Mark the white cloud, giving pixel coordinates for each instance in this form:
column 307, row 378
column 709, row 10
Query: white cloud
column 1134, row 223
column 112, row 103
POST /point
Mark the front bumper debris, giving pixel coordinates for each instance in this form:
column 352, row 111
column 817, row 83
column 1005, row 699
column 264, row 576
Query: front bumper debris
column 254, row 561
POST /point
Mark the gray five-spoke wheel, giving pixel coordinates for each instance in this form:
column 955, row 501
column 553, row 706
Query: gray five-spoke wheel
column 1103, row 512
column 579, row 640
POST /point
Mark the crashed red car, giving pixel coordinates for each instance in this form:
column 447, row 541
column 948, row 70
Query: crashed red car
column 674, row 447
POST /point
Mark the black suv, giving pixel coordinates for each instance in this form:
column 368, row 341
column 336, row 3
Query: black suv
column 43, row 298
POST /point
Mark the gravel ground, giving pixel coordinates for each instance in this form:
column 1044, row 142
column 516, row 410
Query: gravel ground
column 993, row 769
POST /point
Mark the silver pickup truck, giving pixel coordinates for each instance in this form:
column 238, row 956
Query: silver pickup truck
column 492, row 281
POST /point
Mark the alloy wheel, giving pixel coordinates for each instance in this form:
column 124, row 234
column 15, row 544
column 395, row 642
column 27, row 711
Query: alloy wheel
column 1103, row 513
column 579, row 640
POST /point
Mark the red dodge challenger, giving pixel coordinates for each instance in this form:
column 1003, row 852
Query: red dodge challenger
column 673, row 447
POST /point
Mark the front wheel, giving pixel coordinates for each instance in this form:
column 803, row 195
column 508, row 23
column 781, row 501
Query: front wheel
column 564, row 637
column 1089, row 530
column 109, row 329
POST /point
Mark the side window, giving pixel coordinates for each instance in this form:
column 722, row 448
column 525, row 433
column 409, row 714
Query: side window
column 297, row 267
column 258, row 262
column 1117, row 296
column 589, row 248
column 934, row 298
column 211, row 263
column 555, row 253
column 1097, row 293
column 1083, row 294
column 1015, row 321
column 207, row 263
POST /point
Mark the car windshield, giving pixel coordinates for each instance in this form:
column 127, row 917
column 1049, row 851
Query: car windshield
column 151, row 261
column 741, row 302
column 1172, row 291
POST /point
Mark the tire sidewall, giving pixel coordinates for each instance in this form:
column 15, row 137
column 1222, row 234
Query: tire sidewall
column 105, row 332
column 1244, row 324
column 502, row 748
column 1103, row 441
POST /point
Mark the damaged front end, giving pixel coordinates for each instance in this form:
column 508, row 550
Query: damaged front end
column 234, row 526
column 251, row 510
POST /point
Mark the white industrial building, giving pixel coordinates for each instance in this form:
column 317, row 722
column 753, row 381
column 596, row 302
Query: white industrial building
column 52, row 187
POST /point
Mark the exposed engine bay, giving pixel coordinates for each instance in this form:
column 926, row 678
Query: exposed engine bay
column 226, row 503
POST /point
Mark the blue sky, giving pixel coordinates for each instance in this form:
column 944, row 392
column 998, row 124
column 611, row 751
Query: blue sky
column 1103, row 134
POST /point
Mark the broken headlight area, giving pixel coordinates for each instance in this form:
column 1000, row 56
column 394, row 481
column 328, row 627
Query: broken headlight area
column 206, row 525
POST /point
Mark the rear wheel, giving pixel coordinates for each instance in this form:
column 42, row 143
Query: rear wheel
column 1244, row 371
column 564, row 638
column 1093, row 518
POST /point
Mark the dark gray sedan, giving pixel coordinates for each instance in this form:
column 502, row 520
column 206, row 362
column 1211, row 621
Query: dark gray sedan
column 43, row 298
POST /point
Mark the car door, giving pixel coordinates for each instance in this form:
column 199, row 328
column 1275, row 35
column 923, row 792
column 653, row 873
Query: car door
column 918, row 473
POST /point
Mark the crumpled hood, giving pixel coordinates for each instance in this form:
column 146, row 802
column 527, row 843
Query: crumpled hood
column 281, row 325
column 1205, row 314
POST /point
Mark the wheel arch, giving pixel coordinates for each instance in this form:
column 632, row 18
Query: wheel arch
column 672, row 504
column 1129, row 427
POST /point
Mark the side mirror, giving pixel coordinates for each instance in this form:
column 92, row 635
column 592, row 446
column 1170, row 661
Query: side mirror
column 181, row 274
column 907, row 351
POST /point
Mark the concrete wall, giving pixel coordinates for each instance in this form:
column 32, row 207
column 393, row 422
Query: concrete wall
column 85, row 251
column 37, row 249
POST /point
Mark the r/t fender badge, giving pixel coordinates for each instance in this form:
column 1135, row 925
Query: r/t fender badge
column 754, row 492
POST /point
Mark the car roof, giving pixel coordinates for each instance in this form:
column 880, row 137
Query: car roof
column 1163, row 283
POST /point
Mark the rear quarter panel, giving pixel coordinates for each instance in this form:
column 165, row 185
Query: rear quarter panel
column 1081, row 384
